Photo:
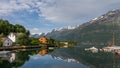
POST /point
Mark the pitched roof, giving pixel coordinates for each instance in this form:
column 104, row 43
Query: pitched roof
column 3, row 39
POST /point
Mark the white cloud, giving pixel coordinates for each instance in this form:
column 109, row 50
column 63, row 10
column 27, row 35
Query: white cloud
column 35, row 31
column 10, row 6
column 72, row 10
column 61, row 11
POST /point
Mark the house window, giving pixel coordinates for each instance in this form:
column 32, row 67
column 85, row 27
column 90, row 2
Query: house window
column 8, row 44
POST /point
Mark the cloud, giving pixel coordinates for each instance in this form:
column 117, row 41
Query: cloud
column 10, row 6
column 35, row 31
column 60, row 11
column 73, row 10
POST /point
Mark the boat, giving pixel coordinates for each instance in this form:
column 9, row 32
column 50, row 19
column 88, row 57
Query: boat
column 92, row 49
column 112, row 47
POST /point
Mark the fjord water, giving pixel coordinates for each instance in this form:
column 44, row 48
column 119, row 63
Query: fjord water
column 75, row 57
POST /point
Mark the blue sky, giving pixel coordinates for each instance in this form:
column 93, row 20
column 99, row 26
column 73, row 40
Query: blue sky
column 44, row 15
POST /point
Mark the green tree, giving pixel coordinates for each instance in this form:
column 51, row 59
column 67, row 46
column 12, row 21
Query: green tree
column 51, row 41
column 34, row 41
column 22, row 39
column 1, row 44
column 1, row 35
column 6, row 27
column 20, row 28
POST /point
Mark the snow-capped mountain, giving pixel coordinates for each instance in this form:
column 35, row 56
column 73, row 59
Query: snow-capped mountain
column 37, row 35
column 66, row 28
column 97, row 30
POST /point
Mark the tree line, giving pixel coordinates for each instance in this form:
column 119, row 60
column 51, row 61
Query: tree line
column 22, row 34
column 6, row 27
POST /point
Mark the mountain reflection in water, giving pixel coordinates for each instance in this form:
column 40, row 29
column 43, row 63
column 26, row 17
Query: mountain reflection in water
column 74, row 57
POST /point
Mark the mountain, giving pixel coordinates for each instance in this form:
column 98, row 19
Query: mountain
column 98, row 31
column 66, row 28
column 37, row 35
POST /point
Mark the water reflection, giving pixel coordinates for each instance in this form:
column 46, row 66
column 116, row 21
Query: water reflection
column 88, row 58
column 75, row 57
column 17, row 58
column 46, row 59
column 43, row 52
column 7, row 55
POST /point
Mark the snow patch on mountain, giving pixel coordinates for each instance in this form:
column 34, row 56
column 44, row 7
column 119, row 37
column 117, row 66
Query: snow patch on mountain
column 66, row 28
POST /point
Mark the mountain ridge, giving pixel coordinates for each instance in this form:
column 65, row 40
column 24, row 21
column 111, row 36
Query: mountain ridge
column 96, row 31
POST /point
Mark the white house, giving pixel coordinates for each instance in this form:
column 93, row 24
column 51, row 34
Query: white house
column 12, row 36
column 6, row 41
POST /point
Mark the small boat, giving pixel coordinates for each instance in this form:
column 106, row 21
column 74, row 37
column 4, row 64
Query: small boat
column 92, row 49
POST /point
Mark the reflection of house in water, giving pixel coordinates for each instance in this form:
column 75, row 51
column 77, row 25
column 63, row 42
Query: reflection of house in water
column 43, row 52
column 7, row 55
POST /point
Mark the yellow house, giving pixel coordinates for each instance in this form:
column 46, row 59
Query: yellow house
column 43, row 40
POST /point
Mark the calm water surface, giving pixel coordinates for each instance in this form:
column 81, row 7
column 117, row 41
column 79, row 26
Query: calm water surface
column 75, row 57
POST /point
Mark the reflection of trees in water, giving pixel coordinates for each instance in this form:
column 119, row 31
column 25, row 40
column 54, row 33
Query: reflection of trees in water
column 6, row 58
column 5, row 64
column 21, row 58
column 94, row 60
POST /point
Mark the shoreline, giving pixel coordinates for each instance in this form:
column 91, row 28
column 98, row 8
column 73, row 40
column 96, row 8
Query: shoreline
column 19, row 47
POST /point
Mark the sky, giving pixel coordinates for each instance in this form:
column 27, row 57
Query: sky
column 44, row 15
